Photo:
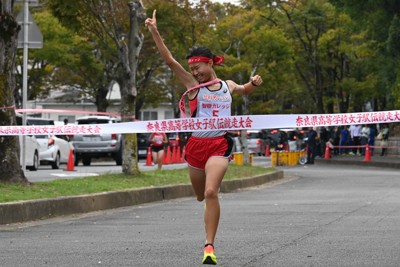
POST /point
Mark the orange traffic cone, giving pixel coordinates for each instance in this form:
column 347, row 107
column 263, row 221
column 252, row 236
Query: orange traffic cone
column 367, row 153
column 148, row 158
column 168, row 156
column 173, row 158
column 327, row 152
column 267, row 151
column 178, row 155
column 70, row 164
column 183, row 155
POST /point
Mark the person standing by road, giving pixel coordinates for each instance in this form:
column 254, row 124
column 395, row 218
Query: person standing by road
column 344, row 136
column 311, row 145
column 365, row 132
column 157, row 147
column 371, row 138
column 207, row 152
column 384, row 141
column 355, row 133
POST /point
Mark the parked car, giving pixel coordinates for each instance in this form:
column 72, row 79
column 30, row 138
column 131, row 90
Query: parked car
column 90, row 146
column 296, row 139
column 173, row 139
column 256, row 142
column 278, row 139
column 32, row 162
column 54, row 150
column 237, row 144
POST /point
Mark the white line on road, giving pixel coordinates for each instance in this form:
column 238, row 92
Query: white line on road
column 74, row 174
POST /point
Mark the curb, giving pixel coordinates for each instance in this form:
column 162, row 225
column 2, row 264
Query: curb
column 24, row 211
column 380, row 164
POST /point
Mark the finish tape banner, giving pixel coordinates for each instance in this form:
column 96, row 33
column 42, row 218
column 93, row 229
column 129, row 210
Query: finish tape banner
column 232, row 123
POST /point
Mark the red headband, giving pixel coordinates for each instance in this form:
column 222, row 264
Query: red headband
column 217, row 59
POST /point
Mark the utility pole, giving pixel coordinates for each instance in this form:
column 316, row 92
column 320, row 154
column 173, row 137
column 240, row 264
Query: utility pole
column 30, row 37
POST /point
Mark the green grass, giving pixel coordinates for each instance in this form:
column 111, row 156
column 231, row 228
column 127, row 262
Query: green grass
column 111, row 182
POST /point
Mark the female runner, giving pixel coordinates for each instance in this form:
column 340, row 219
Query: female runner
column 208, row 152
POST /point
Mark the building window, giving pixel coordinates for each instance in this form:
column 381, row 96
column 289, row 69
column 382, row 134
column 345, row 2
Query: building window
column 169, row 114
column 148, row 115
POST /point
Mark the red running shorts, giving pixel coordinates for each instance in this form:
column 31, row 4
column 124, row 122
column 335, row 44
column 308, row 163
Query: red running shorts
column 199, row 150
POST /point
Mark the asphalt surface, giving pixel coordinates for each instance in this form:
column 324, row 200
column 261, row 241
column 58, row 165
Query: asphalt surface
column 318, row 215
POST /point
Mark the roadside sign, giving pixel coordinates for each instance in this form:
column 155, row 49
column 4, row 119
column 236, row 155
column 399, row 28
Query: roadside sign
column 35, row 37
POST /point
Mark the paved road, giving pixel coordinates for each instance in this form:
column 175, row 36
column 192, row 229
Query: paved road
column 319, row 215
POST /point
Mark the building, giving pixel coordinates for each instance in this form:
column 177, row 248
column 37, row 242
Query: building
column 73, row 108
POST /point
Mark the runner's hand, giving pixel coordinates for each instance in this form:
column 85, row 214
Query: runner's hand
column 256, row 80
column 151, row 22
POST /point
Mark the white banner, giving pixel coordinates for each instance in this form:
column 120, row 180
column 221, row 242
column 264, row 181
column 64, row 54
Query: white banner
column 210, row 124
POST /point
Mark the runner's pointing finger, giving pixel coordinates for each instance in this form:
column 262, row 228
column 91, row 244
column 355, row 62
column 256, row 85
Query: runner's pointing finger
column 154, row 15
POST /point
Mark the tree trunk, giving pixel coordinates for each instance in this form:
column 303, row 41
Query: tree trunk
column 129, row 90
column 10, row 169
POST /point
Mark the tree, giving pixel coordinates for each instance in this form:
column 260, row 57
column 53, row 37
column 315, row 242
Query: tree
column 114, row 27
column 375, row 20
column 181, row 24
column 328, row 56
column 10, row 170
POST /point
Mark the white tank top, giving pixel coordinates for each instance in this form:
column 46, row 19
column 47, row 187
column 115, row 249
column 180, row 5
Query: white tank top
column 211, row 103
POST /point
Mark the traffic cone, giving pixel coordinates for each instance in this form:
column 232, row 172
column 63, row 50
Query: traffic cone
column 178, row 155
column 70, row 164
column 327, row 152
column 267, row 151
column 173, row 158
column 168, row 159
column 148, row 158
column 367, row 153
column 183, row 155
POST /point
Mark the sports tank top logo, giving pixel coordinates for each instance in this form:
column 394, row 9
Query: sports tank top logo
column 214, row 103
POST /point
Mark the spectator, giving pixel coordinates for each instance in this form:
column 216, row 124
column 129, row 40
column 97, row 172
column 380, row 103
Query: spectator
column 324, row 136
column 355, row 132
column 336, row 140
column 385, row 137
column 66, row 137
column 365, row 132
column 344, row 136
column 371, row 139
column 311, row 145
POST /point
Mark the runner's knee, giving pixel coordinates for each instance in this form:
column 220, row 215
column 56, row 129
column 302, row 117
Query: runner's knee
column 211, row 193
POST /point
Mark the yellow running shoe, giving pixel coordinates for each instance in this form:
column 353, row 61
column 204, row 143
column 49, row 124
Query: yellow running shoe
column 209, row 257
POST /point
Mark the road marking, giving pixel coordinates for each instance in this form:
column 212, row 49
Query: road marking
column 74, row 174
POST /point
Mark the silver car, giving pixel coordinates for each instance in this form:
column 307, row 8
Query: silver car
column 255, row 142
column 90, row 146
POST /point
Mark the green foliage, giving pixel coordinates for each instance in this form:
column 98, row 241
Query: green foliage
column 314, row 55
